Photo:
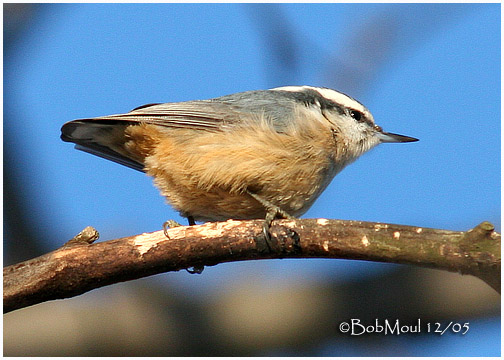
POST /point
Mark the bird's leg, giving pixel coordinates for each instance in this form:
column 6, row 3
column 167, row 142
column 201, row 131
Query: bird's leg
column 198, row 269
column 168, row 224
column 272, row 212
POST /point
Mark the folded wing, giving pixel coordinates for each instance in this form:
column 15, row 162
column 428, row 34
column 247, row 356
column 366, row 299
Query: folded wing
column 101, row 136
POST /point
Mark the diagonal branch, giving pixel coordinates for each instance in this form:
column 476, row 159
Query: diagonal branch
column 80, row 266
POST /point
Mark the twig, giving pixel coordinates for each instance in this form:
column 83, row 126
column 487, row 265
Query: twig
column 80, row 265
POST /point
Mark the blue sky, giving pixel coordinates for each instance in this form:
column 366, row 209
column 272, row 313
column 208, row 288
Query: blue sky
column 435, row 76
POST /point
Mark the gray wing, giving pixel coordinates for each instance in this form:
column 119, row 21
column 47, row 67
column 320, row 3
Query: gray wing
column 218, row 113
column 203, row 115
column 213, row 115
column 97, row 135
column 91, row 135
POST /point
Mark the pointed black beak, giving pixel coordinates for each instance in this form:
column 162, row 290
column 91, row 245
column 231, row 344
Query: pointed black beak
column 386, row 137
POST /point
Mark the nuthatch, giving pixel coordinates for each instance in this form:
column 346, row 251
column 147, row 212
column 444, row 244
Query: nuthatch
column 255, row 154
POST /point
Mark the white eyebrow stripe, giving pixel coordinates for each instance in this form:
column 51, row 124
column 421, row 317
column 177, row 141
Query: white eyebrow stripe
column 329, row 94
column 292, row 88
column 340, row 98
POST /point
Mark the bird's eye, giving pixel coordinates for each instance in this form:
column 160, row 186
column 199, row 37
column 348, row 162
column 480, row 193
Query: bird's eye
column 357, row 115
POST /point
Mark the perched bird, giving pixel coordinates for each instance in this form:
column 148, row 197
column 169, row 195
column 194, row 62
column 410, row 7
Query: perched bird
column 250, row 155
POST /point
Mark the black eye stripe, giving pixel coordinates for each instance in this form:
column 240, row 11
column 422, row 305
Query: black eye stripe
column 310, row 97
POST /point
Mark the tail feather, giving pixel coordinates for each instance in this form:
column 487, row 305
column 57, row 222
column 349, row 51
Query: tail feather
column 101, row 138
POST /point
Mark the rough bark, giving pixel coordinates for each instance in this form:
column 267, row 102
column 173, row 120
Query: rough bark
column 81, row 265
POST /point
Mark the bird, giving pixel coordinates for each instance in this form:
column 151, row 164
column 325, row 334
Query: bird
column 260, row 154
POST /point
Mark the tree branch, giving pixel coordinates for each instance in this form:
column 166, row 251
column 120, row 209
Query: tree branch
column 80, row 266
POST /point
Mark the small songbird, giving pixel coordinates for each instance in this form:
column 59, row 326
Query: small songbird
column 250, row 155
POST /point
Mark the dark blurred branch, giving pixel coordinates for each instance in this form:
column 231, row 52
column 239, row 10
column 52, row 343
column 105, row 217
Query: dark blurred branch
column 280, row 41
column 19, row 222
column 80, row 266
